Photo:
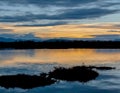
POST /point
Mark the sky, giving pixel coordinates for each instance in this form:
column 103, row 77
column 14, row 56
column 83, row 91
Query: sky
column 81, row 19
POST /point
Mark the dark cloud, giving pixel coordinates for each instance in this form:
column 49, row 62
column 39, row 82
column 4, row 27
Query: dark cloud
column 85, row 13
column 67, row 15
column 106, row 37
column 55, row 10
column 110, row 4
column 4, row 30
column 48, row 24
column 114, row 31
column 13, row 37
column 16, row 18
column 117, row 25
column 49, row 2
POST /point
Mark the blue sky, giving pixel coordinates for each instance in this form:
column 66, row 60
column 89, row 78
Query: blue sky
column 18, row 14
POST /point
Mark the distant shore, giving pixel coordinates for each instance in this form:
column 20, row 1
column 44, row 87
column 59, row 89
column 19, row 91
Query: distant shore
column 59, row 44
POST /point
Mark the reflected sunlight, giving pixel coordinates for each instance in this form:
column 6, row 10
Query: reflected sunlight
column 62, row 56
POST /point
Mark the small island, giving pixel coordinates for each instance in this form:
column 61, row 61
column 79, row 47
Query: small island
column 81, row 74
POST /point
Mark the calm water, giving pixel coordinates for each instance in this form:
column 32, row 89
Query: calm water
column 44, row 60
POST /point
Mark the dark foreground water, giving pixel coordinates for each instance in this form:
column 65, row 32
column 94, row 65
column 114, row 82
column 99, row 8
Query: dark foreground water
column 34, row 62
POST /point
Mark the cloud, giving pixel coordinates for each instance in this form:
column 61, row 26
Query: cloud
column 47, row 24
column 49, row 2
column 117, row 25
column 106, row 37
column 67, row 15
column 85, row 13
column 114, row 27
column 21, row 11
column 114, row 31
column 14, row 37
column 5, row 30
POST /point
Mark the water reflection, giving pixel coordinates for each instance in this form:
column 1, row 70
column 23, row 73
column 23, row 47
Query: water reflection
column 60, row 56
column 113, row 51
column 36, row 61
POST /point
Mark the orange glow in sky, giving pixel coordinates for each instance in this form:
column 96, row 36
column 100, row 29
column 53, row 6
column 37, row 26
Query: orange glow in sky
column 70, row 31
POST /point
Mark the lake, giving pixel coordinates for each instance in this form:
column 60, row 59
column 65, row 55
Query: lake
column 36, row 61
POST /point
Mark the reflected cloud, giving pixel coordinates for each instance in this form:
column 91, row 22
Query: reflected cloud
column 9, row 54
column 108, row 51
column 62, row 56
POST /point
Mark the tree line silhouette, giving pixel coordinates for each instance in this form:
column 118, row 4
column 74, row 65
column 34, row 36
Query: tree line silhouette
column 59, row 44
